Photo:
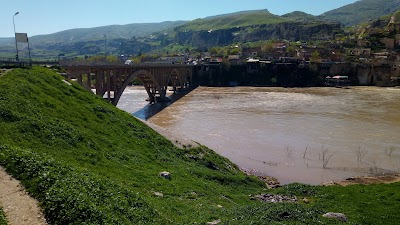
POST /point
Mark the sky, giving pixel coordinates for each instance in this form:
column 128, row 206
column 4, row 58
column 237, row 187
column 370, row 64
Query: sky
column 49, row 16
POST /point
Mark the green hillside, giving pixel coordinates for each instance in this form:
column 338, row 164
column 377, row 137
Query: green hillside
column 239, row 19
column 88, row 162
column 299, row 16
column 362, row 11
column 112, row 32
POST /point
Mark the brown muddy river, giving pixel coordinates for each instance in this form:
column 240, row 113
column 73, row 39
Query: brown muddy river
column 307, row 135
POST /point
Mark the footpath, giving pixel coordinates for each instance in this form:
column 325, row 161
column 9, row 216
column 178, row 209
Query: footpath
column 18, row 206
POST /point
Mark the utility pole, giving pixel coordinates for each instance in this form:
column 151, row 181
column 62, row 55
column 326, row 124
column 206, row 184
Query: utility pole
column 16, row 45
column 105, row 47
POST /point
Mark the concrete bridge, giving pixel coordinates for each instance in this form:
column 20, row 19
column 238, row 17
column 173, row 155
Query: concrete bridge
column 110, row 80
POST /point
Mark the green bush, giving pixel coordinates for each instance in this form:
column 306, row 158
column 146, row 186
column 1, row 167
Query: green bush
column 3, row 220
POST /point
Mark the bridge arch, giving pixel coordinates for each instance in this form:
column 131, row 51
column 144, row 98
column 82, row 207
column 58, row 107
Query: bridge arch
column 180, row 78
column 145, row 77
column 175, row 79
column 113, row 79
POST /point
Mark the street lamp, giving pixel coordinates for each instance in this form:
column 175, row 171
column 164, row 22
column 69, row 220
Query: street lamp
column 16, row 46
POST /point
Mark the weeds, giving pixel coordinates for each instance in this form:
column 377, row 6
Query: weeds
column 326, row 156
column 374, row 169
column 305, row 152
column 389, row 150
column 289, row 151
column 270, row 163
column 360, row 153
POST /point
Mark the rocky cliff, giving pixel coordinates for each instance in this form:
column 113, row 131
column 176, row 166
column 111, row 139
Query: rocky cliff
column 293, row 31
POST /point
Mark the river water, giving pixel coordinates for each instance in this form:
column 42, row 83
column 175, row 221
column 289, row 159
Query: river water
column 307, row 135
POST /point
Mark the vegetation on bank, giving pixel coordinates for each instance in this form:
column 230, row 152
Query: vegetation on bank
column 3, row 220
column 89, row 163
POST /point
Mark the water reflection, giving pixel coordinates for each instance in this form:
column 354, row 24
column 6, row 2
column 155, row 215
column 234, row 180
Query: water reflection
column 134, row 101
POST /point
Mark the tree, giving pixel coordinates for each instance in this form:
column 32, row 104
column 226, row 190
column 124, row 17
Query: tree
column 226, row 64
column 214, row 51
column 291, row 50
column 315, row 56
column 267, row 47
column 112, row 58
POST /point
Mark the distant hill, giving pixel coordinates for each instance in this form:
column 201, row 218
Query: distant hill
column 219, row 30
column 112, row 32
column 362, row 11
column 299, row 16
column 6, row 41
column 83, row 41
column 238, row 19
column 250, row 26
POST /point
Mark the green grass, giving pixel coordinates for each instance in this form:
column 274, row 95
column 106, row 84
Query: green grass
column 3, row 220
column 89, row 163
column 59, row 139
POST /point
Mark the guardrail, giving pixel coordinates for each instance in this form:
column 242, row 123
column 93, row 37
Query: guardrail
column 2, row 59
column 11, row 62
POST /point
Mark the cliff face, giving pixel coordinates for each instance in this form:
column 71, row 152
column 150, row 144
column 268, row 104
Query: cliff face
column 293, row 31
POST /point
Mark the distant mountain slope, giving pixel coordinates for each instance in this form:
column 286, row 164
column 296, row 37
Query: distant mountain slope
column 112, row 31
column 299, row 16
column 362, row 11
column 6, row 40
column 239, row 19
column 250, row 26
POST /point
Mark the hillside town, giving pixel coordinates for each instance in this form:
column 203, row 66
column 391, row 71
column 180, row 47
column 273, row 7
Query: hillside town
column 368, row 55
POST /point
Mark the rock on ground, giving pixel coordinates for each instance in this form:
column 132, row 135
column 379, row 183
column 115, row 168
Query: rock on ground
column 338, row 216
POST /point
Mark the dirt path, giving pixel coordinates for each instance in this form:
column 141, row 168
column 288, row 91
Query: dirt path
column 4, row 71
column 18, row 206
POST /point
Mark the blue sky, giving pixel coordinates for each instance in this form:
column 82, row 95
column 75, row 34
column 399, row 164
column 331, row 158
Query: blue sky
column 50, row 16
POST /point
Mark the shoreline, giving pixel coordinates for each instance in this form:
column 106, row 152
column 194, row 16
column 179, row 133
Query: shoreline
column 272, row 182
column 178, row 140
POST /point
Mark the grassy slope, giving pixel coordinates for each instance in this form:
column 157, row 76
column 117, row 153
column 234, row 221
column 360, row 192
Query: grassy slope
column 90, row 163
column 362, row 11
column 299, row 16
column 80, row 135
column 240, row 19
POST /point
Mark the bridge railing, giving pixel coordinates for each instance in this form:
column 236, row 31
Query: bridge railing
column 75, row 62
column 86, row 63
column 2, row 59
column 22, row 62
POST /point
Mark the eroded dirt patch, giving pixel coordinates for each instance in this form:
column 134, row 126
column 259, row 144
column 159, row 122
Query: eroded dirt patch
column 384, row 179
column 18, row 206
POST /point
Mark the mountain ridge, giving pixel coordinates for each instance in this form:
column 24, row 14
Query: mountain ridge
column 361, row 11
